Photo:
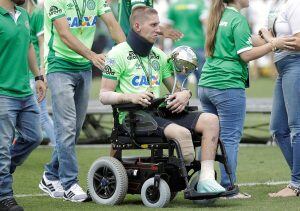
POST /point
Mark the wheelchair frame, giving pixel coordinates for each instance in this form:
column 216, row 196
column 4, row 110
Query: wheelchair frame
column 171, row 169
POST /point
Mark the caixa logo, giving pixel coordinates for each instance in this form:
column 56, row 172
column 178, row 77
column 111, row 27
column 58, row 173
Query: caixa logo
column 86, row 21
column 142, row 81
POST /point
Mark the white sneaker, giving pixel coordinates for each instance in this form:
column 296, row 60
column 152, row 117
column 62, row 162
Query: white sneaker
column 75, row 194
column 52, row 188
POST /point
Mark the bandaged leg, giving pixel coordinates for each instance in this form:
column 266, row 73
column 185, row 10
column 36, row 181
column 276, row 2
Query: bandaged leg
column 184, row 138
column 208, row 125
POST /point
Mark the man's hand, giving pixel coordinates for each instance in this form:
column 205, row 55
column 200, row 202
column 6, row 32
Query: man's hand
column 169, row 32
column 142, row 98
column 178, row 101
column 40, row 90
column 98, row 60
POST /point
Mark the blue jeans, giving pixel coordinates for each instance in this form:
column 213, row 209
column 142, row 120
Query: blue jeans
column 70, row 95
column 46, row 121
column 285, row 116
column 201, row 60
column 21, row 114
column 230, row 106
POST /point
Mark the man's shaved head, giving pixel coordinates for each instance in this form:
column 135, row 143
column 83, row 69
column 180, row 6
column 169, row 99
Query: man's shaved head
column 141, row 13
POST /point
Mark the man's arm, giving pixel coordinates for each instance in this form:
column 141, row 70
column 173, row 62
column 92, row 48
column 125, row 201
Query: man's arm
column 40, row 86
column 63, row 29
column 108, row 96
column 114, row 28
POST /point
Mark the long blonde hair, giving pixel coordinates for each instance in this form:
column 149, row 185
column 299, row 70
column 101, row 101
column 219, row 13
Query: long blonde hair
column 215, row 14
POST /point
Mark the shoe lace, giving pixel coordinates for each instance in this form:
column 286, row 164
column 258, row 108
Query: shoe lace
column 9, row 202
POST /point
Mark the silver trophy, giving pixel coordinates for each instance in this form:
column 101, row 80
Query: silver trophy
column 185, row 62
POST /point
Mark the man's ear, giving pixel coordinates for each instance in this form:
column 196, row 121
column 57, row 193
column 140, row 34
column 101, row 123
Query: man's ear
column 137, row 27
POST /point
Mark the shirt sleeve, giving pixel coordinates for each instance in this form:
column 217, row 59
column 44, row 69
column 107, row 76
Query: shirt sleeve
column 293, row 17
column 112, row 69
column 103, row 7
column 54, row 9
column 39, row 23
column 242, row 35
column 166, row 67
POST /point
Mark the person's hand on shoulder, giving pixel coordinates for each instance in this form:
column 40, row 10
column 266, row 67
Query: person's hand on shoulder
column 98, row 60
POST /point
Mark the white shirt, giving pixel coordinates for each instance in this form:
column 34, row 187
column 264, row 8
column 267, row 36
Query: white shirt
column 287, row 24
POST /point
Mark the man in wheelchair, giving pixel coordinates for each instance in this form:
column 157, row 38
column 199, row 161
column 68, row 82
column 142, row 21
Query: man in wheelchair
column 134, row 73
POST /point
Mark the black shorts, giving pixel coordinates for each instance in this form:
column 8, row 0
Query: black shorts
column 187, row 120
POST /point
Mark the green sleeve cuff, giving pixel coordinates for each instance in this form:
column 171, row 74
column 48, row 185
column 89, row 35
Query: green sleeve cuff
column 57, row 17
column 110, row 77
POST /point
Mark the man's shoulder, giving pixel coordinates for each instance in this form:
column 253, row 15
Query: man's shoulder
column 119, row 50
column 159, row 53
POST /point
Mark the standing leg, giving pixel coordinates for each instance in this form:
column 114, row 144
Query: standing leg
column 29, row 129
column 9, row 109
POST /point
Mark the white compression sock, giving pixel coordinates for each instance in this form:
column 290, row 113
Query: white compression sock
column 207, row 170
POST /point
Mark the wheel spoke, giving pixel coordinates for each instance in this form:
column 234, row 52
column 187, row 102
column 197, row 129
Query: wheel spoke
column 105, row 171
column 98, row 177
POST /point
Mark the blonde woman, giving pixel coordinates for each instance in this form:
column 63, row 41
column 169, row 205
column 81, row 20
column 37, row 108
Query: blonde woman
column 225, row 74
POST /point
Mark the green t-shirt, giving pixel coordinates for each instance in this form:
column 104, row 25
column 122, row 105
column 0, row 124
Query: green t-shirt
column 187, row 13
column 59, row 57
column 125, row 7
column 14, row 45
column 125, row 67
column 225, row 69
column 37, row 29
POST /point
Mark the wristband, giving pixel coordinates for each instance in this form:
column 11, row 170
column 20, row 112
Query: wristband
column 40, row 77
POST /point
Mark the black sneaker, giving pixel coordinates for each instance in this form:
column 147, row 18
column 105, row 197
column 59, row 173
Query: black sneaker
column 10, row 204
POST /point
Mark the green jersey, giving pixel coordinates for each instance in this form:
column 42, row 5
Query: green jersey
column 37, row 29
column 134, row 73
column 82, row 17
column 14, row 45
column 225, row 69
column 187, row 13
column 125, row 7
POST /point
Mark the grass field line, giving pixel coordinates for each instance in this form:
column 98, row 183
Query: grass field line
column 270, row 183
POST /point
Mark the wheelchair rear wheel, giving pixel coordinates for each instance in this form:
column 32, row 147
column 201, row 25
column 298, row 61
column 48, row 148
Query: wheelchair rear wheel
column 107, row 181
column 150, row 199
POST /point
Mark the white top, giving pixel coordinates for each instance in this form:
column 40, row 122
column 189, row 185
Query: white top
column 287, row 23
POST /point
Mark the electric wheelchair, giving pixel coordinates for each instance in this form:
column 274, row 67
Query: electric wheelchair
column 157, row 177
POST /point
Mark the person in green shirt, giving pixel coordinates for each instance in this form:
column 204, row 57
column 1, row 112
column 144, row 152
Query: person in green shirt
column 190, row 16
column 36, row 15
column 124, row 10
column 69, row 33
column 229, row 47
column 135, row 72
column 18, row 108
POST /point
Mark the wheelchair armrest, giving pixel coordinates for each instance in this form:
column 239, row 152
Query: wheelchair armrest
column 127, row 107
column 134, row 107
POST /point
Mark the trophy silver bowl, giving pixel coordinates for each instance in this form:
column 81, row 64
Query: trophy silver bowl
column 185, row 61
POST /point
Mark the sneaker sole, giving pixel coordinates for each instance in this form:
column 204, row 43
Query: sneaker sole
column 73, row 200
column 46, row 190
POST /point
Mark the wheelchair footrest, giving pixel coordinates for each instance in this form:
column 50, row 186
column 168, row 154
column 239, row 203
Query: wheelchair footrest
column 192, row 194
